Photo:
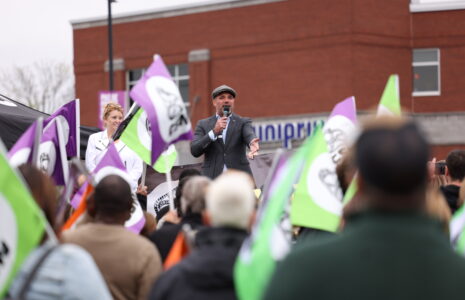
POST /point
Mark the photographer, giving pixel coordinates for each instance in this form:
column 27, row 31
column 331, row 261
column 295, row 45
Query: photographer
column 455, row 173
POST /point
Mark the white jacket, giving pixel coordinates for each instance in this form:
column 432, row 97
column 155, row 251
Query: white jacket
column 96, row 146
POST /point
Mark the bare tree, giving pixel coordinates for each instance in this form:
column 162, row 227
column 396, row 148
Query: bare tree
column 44, row 86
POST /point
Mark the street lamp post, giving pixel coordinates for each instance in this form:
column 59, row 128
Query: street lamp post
column 110, row 46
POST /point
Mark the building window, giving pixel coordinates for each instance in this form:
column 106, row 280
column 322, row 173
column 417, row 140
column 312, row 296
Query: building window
column 179, row 72
column 426, row 72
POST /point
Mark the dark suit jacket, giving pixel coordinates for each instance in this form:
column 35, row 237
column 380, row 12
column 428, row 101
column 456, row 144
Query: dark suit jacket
column 217, row 154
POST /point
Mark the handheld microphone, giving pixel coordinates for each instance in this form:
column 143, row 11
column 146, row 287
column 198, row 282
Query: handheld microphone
column 226, row 110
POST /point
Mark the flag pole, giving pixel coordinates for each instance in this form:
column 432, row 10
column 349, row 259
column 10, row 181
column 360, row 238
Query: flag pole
column 144, row 173
column 170, row 185
column 37, row 138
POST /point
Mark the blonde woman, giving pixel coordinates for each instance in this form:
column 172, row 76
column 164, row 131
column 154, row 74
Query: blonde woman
column 98, row 143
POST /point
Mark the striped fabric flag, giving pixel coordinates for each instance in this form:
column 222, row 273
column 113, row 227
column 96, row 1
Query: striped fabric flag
column 68, row 117
column 111, row 164
column 22, row 224
column 159, row 97
column 270, row 238
column 138, row 137
column 317, row 201
column 52, row 153
column 23, row 150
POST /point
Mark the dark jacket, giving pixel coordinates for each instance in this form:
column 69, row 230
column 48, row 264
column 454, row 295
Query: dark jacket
column 217, row 154
column 378, row 256
column 451, row 193
column 207, row 272
column 164, row 237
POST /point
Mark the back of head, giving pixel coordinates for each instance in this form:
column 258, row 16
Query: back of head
column 193, row 195
column 183, row 177
column 112, row 196
column 43, row 190
column 455, row 162
column 230, row 200
column 392, row 156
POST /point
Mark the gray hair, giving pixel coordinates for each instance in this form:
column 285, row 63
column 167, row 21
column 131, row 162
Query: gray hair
column 231, row 200
column 193, row 194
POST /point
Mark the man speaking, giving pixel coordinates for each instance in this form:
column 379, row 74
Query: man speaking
column 224, row 137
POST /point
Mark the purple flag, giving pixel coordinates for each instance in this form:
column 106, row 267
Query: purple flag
column 159, row 96
column 340, row 128
column 52, row 154
column 111, row 164
column 68, row 115
column 22, row 150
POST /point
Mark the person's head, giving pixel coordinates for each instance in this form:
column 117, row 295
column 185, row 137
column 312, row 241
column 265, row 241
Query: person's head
column 223, row 96
column 193, row 195
column 455, row 163
column 112, row 200
column 391, row 155
column 183, row 177
column 43, row 190
column 112, row 116
column 231, row 201
column 150, row 224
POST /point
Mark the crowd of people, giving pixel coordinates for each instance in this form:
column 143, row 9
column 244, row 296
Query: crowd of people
column 393, row 241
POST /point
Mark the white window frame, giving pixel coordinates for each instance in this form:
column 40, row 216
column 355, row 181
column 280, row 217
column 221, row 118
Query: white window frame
column 428, row 63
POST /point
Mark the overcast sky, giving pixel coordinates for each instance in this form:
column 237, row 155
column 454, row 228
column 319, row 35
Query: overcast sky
column 40, row 30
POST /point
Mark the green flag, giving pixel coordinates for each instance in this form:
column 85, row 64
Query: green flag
column 269, row 241
column 22, row 223
column 390, row 100
column 317, row 198
column 137, row 136
column 166, row 160
column 388, row 105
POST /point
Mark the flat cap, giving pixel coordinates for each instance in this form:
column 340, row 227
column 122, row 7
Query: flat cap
column 223, row 89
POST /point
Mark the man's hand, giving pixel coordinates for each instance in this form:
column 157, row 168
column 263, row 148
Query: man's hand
column 254, row 147
column 142, row 190
column 220, row 125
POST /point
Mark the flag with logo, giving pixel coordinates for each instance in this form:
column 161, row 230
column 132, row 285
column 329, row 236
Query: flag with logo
column 23, row 150
column 52, row 153
column 317, row 201
column 111, row 164
column 270, row 238
column 22, row 223
column 67, row 116
column 388, row 105
column 159, row 97
column 137, row 136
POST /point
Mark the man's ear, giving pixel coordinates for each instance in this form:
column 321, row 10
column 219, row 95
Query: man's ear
column 446, row 171
column 206, row 218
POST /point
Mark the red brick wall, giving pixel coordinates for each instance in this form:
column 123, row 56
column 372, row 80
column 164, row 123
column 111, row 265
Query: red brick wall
column 284, row 58
column 448, row 34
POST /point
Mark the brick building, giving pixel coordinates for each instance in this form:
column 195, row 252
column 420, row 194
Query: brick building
column 290, row 60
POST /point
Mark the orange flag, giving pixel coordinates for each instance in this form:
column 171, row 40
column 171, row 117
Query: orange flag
column 177, row 252
column 80, row 210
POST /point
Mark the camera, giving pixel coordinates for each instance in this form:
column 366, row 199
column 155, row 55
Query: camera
column 440, row 168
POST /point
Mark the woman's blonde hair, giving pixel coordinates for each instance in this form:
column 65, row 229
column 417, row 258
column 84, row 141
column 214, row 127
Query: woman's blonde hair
column 109, row 107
